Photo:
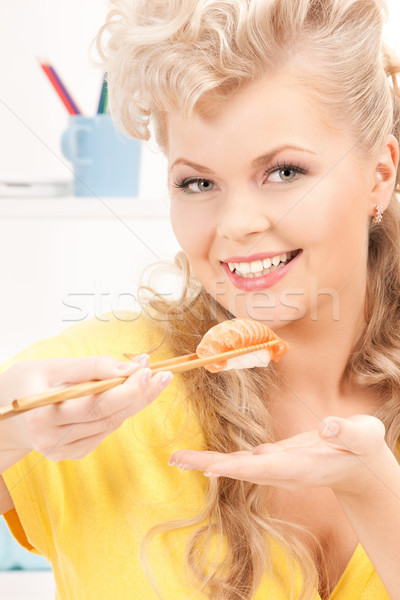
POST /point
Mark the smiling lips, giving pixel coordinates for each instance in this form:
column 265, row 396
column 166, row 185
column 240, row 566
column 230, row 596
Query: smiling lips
column 260, row 267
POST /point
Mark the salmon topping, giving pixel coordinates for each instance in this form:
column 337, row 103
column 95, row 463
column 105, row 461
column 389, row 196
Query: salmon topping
column 239, row 333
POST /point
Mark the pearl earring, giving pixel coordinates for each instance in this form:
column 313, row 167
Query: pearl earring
column 379, row 214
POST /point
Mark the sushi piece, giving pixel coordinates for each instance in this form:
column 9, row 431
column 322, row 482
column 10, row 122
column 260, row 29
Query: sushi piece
column 238, row 333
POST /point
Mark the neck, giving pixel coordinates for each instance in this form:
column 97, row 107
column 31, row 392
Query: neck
column 313, row 372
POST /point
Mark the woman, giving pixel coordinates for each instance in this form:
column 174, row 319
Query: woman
column 280, row 127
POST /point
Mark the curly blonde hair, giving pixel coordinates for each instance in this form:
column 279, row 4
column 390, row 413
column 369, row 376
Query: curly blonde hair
column 161, row 55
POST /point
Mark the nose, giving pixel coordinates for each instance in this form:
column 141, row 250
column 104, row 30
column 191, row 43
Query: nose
column 242, row 215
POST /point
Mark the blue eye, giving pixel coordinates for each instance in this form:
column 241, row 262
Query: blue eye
column 278, row 173
column 195, row 185
column 284, row 173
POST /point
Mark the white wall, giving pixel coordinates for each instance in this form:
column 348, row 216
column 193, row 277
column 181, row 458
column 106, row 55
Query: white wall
column 67, row 259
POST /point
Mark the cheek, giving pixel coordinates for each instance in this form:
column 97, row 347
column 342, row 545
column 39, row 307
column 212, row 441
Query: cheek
column 334, row 211
column 192, row 228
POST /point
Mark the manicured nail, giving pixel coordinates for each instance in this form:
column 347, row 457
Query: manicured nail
column 181, row 466
column 144, row 360
column 331, row 429
column 146, row 376
column 165, row 379
column 127, row 367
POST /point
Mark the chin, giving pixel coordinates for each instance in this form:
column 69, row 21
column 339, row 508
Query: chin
column 274, row 317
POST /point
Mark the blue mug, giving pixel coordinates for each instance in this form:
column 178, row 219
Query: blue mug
column 104, row 161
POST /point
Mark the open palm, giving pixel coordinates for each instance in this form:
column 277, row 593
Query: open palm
column 321, row 457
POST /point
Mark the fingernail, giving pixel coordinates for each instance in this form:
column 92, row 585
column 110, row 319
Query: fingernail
column 206, row 474
column 146, row 376
column 165, row 379
column 331, row 429
column 141, row 361
column 144, row 360
column 183, row 467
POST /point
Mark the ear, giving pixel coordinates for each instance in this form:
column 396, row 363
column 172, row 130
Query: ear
column 384, row 176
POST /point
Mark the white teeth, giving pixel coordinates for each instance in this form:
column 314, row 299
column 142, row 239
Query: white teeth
column 267, row 263
column 245, row 268
column 257, row 268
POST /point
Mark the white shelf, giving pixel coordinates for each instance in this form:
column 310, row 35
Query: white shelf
column 72, row 207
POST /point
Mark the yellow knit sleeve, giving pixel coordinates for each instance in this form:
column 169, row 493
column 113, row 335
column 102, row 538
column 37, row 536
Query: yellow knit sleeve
column 111, row 334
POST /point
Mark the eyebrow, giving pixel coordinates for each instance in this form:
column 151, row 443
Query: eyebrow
column 257, row 162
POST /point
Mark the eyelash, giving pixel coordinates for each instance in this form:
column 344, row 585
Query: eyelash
column 184, row 183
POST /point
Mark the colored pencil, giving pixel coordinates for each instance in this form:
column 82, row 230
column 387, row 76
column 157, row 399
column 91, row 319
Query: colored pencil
column 59, row 87
column 102, row 108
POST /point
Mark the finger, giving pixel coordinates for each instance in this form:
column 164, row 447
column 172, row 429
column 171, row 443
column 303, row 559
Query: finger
column 135, row 394
column 76, row 370
column 100, row 418
column 198, row 459
column 132, row 395
column 107, row 411
column 256, row 468
column 82, row 409
column 359, row 434
column 281, row 446
column 84, row 433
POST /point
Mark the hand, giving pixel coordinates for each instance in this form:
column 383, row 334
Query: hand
column 73, row 428
column 343, row 454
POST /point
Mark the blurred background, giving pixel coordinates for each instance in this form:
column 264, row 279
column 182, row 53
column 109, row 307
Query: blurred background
column 63, row 258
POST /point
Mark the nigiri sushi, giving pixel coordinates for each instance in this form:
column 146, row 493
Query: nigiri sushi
column 238, row 333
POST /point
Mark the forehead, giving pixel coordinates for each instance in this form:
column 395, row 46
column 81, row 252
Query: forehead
column 270, row 112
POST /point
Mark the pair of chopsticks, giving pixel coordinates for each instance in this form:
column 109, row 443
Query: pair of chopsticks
column 174, row 365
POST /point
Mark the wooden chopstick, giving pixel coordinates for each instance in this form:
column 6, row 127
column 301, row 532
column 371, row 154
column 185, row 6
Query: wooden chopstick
column 177, row 364
column 165, row 363
column 202, row 362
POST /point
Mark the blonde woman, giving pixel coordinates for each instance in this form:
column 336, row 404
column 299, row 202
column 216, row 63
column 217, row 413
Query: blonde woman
column 280, row 122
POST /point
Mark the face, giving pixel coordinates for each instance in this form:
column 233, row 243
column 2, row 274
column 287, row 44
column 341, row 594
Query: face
column 270, row 207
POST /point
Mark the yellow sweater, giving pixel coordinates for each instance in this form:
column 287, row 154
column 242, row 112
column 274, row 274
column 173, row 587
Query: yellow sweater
column 88, row 517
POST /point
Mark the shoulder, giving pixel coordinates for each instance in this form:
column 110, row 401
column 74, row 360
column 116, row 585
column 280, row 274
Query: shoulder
column 109, row 332
column 112, row 334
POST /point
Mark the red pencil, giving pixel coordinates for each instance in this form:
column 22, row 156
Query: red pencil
column 60, row 89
